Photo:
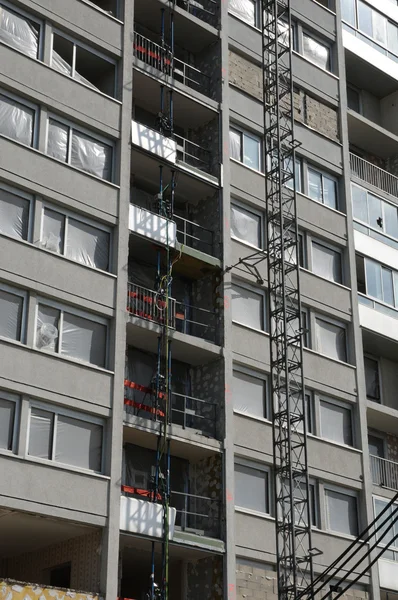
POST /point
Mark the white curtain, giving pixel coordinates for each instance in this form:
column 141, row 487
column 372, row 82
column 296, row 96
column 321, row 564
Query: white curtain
column 10, row 315
column 84, row 339
column 342, row 512
column 326, row 262
column 14, row 215
column 247, row 307
column 251, row 488
column 18, row 32
column 53, row 228
column 316, row 52
column 78, row 443
column 245, row 226
column 57, row 142
column 41, row 433
column 331, row 340
column 248, row 394
column 336, row 423
column 235, row 145
column 91, row 156
column 16, row 121
column 87, row 245
column 7, row 414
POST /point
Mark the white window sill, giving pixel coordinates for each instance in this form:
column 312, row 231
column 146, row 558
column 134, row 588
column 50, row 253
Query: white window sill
column 308, row 60
column 70, row 260
column 334, row 443
column 336, row 360
column 335, row 210
column 250, row 328
column 254, row 513
column 75, row 361
column 64, row 467
column 234, row 160
column 248, row 244
column 263, row 420
column 344, row 287
column 253, row 27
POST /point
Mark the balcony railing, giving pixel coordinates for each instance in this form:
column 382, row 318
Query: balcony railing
column 150, row 305
column 206, row 10
column 193, row 235
column 384, row 472
column 197, row 514
column 193, row 413
column 199, row 322
column 373, row 175
column 162, row 60
column 193, row 154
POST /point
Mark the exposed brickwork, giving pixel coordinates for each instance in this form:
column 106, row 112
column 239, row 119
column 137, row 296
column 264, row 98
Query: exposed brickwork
column 392, row 447
column 206, row 478
column 205, row 581
column 247, row 76
column 207, row 383
column 207, row 137
column 321, row 117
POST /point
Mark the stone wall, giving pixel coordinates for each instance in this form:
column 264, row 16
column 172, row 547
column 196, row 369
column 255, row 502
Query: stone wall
column 206, row 480
column 392, row 447
column 205, row 579
column 316, row 114
column 207, row 137
column 245, row 75
column 209, row 62
column 205, row 296
column 207, row 383
column 207, row 214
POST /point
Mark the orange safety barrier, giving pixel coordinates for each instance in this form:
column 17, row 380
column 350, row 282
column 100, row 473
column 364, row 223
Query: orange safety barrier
column 147, row 299
column 139, row 492
column 139, row 406
column 142, row 388
column 151, row 54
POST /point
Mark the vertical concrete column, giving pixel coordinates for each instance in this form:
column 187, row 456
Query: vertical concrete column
column 110, row 550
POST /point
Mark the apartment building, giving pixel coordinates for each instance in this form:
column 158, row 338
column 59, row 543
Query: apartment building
column 100, row 123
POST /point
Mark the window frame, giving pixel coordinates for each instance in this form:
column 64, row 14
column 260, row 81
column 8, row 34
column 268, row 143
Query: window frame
column 254, row 290
column 309, row 241
column 336, row 323
column 393, row 548
column 88, row 48
column 345, row 492
column 66, row 308
column 300, row 32
column 376, row 360
column 31, row 106
column 263, row 377
column 340, row 404
column 323, row 174
column 257, row 466
column 16, row 399
column 380, row 436
column 89, row 133
column 394, row 275
column 26, row 15
column 25, row 196
column 72, row 414
column 24, row 318
column 257, row 213
column 237, row 129
column 383, row 201
column 68, row 214
column 257, row 15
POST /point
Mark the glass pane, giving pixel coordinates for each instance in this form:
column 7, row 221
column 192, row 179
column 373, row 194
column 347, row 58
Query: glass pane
column 379, row 506
column 331, row 340
column 353, row 99
column 390, row 220
column 342, row 512
column 244, row 9
column 392, row 38
column 376, row 446
column 326, row 262
column 47, row 328
column 41, row 433
column 379, row 26
column 11, row 306
column 348, row 11
column 14, row 215
column 62, row 55
column 84, row 339
column 251, row 152
column 360, row 203
column 246, row 226
column 336, row 423
column 373, row 279
column 316, row 52
column 388, row 291
column 329, row 192
column 247, row 307
column 87, row 245
column 315, row 185
column 16, row 121
column 57, row 141
column 235, row 150
column 375, row 212
column 372, row 379
column 19, row 32
column 7, row 416
column 248, row 394
column 365, row 18
column 91, row 156
column 251, row 488
column 78, row 443
column 53, row 230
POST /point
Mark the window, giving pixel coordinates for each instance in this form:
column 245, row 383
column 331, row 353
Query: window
column 381, row 282
column 353, row 99
column 249, row 394
column 14, row 214
column 79, row 150
column 390, row 529
column 348, row 11
column 251, row 487
column 16, row 120
column 83, row 64
column 71, row 335
column 246, row 226
column 75, row 239
column 297, row 173
column 65, row 437
column 245, row 148
column 8, row 409
column 326, row 262
column 245, row 10
column 11, row 313
column 322, row 188
column 372, row 379
column 341, row 512
column 248, row 307
column 376, row 446
column 381, row 216
column 331, row 339
column 336, row 422
column 300, row 512
column 316, row 52
column 19, row 32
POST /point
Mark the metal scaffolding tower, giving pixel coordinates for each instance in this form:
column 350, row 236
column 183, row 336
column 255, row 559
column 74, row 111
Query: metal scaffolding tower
column 292, row 506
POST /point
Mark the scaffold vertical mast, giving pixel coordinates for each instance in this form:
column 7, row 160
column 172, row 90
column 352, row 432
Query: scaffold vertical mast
column 292, row 506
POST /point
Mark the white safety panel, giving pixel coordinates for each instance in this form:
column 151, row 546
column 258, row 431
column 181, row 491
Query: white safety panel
column 151, row 225
column 388, row 574
column 153, row 141
column 144, row 517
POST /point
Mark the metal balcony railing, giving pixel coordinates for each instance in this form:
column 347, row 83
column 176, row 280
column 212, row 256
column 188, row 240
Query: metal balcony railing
column 199, row 322
column 373, row 175
column 193, row 413
column 384, row 472
column 198, row 514
column 162, row 60
column 193, row 154
column 150, row 305
column 193, row 235
column 206, row 10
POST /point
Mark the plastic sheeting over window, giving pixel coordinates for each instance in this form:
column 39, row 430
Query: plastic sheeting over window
column 342, row 512
column 247, row 307
column 87, row 245
column 57, row 142
column 326, row 262
column 331, row 340
column 83, row 339
column 14, row 215
column 316, row 52
column 248, row 394
column 235, row 145
column 11, row 306
column 251, row 488
column 41, row 433
column 244, row 9
column 372, row 379
column 246, row 226
column 16, row 120
column 47, row 328
column 52, row 234
column 19, row 32
column 91, row 156
column 336, row 423
column 78, row 443
column 7, row 417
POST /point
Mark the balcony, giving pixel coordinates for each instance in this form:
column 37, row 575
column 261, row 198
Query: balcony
column 373, row 175
column 151, row 225
column 15, row 590
column 384, row 472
